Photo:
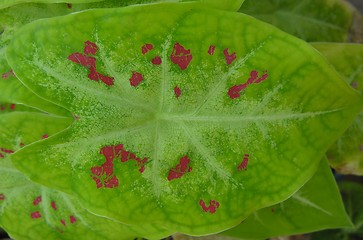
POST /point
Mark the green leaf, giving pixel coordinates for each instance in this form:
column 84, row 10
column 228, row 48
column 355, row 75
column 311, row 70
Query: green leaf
column 9, row 3
column 316, row 206
column 346, row 155
column 232, row 5
column 31, row 211
column 352, row 193
column 311, row 20
column 161, row 133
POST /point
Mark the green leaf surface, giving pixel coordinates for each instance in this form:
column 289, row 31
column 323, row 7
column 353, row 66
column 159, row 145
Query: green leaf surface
column 352, row 193
column 311, row 20
column 9, row 3
column 316, row 206
column 172, row 106
column 232, row 5
column 30, row 211
column 346, row 155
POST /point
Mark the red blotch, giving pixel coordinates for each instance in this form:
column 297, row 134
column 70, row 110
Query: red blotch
column 90, row 63
column 90, row 48
column 136, row 79
column 69, row 5
column 234, row 92
column 104, row 175
column 244, row 163
column 179, row 170
column 212, row 208
column 44, row 136
column 37, row 200
column 7, row 107
column 21, row 144
column 273, row 210
column 35, row 215
column 229, row 57
column 180, row 56
column 63, row 222
column 12, row 107
column 53, row 205
column 72, row 219
column 177, row 91
column 5, row 75
column 8, row 151
column 2, row 197
column 156, row 60
column 211, row 49
column 146, row 48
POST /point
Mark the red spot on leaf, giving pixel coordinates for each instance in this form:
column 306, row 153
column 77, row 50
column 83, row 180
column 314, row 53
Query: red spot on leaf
column 179, row 170
column 136, row 79
column 211, row 49
column 69, row 5
column 234, row 92
column 2, row 197
column 177, row 91
column 146, row 48
column 244, row 163
column 90, row 48
column 7, row 107
column 21, row 144
column 53, row 205
column 180, row 56
column 44, row 136
column 156, row 60
column 104, row 175
column 5, row 151
column 35, row 215
column 12, row 106
column 63, row 222
column 8, row 74
column 90, row 63
column 273, row 210
column 212, row 208
column 37, row 200
column 354, row 85
column 229, row 57
column 72, row 219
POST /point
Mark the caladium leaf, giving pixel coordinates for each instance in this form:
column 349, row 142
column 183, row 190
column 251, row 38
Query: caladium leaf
column 323, row 20
column 346, row 155
column 232, row 5
column 171, row 111
column 308, row 210
column 31, row 211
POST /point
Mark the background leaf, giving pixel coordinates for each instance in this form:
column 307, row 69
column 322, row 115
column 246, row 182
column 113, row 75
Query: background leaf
column 9, row 3
column 311, row 20
column 346, row 155
column 316, row 206
column 145, row 112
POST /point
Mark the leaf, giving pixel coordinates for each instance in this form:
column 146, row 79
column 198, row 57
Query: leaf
column 232, row 5
column 311, row 20
column 161, row 134
column 352, row 195
column 31, row 211
column 346, row 155
column 9, row 3
column 316, row 206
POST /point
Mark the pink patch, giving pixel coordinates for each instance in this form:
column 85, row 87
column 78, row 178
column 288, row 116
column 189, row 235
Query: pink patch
column 35, row 215
column 177, row 91
column 211, row 49
column 45, row 136
column 179, row 170
column 156, row 60
column 244, row 163
column 234, row 92
column 2, row 156
column 53, row 205
column 37, row 200
column 63, row 222
column 180, row 56
column 90, row 63
column 146, row 48
column 104, row 175
column 2, row 197
column 72, row 219
column 90, row 48
column 136, row 79
column 212, row 208
column 12, row 107
column 5, row 75
column 229, row 57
